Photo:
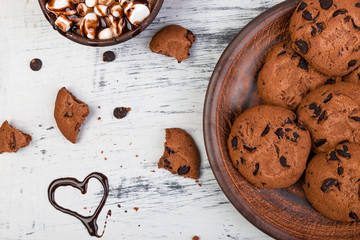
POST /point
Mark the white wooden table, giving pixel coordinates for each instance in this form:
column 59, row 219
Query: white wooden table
column 161, row 92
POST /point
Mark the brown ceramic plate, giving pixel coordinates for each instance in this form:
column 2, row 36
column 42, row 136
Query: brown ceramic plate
column 281, row 213
column 102, row 43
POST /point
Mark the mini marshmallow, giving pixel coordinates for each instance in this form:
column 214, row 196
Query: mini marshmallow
column 136, row 13
column 63, row 23
column 89, row 25
column 101, row 10
column 82, row 9
column 115, row 24
column 106, row 2
column 105, row 34
column 116, row 10
column 91, row 3
column 61, row 7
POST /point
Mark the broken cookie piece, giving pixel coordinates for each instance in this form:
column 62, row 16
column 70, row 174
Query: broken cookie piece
column 11, row 139
column 181, row 155
column 173, row 41
column 69, row 114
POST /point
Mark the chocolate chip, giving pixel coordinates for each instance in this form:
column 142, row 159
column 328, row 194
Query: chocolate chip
column 303, row 64
column 343, row 152
column 288, row 121
column 263, row 184
column 266, row 131
column 302, row 127
column 35, row 64
column 242, row 160
column 303, row 46
column 345, row 141
column 353, row 216
column 167, row 163
column 357, row 119
column 279, row 132
column 108, row 56
column 316, row 109
column 320, row 27
column 352, row 63
column 12, row 144
column 250, row 149
column 330, row 81
column 328, row 98
column 121, row 112
column 237, row 162
column 320, row 142
column 340, row 170
column 333, row 156
column 281, row 53
column 234, row 143
column 302, row 6
column 283, row 162
column 357, row 5
column 288, row 129
column 307, row 16
column 169, row 150
column 256, row 169
column 322, row 116
column 313, row 31
column 326, row 4
column 328, row 184
column 354, row 24
column 338, row 12
column 183, row 170
column 295, row 55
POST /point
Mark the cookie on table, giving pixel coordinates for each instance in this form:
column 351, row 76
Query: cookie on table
column 173, row 41
column 69, row 114
column 353, row 77
column 286, row 77
column 332, row 114
column 11, row 139
column 269, row 147
column 326, row 33
column 332, row 182
column 181, row 155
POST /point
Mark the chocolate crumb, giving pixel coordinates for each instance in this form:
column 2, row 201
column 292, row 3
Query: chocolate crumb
column 108, row 56
column 121, row 112
column 35, row 64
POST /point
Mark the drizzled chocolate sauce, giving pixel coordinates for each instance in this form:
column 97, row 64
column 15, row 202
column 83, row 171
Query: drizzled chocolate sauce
column 88, row 221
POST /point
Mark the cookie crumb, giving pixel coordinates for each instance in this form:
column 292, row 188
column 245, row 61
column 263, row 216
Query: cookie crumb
column 136, row 209
column 195, row 238
column 11, row 139
column 119, row 206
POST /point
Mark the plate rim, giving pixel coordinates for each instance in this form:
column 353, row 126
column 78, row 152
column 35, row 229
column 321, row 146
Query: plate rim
column 209, row 120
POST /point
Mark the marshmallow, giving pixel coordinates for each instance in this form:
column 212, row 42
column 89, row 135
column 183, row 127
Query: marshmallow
column 106, row 2
column 63, row 23
column 78, row 1
column 136, row 12
column 89, row 25
column 116, row 10
column 61, row 7
column 105, row 34
column 115, row 24
column 91, row 3
column 82, row 9
column 101, row 10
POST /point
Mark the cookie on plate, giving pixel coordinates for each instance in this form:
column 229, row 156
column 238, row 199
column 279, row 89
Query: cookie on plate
column 332, row 114
column 269, row 147
column 327, row 34
column 173, row 41
column 11, row 139
column 181, row 155
column 353, row 77
column 69, row 114
column 286, row 77
column 332, row 182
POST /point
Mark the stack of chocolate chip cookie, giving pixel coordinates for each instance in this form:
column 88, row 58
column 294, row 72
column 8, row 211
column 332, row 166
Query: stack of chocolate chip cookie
column 315, row 75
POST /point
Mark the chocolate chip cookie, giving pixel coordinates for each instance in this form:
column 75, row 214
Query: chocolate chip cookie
column 69, row 114
column 353, row 77
column 269, row 147
column 173, row 41
column 286, row 77
column 181, row 155
column 332, row 114
column 327, row 34
column 11, row 139
column 332, row 182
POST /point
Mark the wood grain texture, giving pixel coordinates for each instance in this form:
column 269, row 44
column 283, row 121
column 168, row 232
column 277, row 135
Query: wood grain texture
column 161, row 93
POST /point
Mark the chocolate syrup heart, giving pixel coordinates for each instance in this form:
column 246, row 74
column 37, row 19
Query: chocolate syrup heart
column 89, row 221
